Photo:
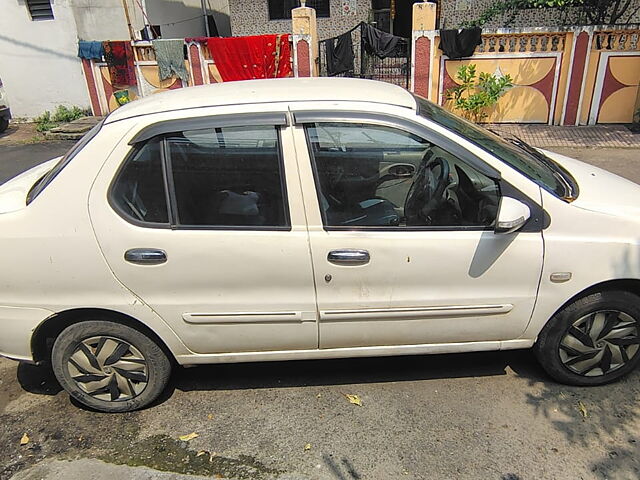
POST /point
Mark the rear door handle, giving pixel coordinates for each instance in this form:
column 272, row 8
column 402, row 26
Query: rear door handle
column 349, row 256
column 145, row 256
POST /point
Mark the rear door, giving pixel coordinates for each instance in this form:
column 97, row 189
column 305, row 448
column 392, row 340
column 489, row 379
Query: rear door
column 203, row 223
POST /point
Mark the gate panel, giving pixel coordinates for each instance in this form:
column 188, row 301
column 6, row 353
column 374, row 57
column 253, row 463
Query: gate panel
column 394, row 69
column 616, row 90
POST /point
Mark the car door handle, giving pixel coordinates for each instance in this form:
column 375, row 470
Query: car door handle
column 145, row 256
column 349, row 256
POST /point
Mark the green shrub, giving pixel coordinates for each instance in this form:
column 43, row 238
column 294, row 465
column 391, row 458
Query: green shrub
column 475, row 94
column 62, row 114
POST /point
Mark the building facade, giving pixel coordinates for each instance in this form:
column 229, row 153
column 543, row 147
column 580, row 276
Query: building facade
column 39, row 42
column 250, row 17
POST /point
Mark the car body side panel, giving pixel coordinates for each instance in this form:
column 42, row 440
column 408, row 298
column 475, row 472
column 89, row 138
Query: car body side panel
column 221, row 290
column 49, row 258
column 593, row 247
column 14, row 323
column 422, row 287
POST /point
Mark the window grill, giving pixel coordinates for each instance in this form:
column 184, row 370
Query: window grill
column 40, row 9
column 281, row 9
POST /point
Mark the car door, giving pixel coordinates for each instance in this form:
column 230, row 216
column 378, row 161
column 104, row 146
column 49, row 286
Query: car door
column 202, row 225
column 401, row 229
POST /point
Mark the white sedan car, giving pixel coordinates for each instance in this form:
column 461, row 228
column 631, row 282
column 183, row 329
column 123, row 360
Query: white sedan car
column 307, row 219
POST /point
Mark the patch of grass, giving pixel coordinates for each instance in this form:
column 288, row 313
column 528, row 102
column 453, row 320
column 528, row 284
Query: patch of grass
column 62, row 114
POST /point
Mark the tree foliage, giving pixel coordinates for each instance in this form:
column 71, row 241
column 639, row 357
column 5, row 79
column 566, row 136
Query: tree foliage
column 578, row 12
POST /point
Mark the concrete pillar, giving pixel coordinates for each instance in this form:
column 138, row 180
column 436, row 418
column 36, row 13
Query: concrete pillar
column 424, row 16
column 575, row 83
column 422, row 51
column 305, row 42
column 195, row 64
column 87, row 67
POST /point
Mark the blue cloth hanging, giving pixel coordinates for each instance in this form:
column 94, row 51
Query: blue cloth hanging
column 90, row 50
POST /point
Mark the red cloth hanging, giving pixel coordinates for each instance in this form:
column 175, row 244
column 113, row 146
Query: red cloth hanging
column 246, row 58
column 120, row 61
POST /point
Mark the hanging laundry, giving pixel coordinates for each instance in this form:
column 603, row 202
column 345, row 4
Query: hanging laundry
column 119, row 58
column 90, row 50
column 170, row 58
column 460, row 44
column 339, row 54
column 382, row 44
column 246, row 58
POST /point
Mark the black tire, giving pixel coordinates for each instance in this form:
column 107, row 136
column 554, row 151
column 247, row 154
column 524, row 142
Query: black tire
column 143, row 380
column 550, row 354
column 4, row 124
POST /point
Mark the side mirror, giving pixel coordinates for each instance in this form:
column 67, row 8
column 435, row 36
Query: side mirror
column 512, row 215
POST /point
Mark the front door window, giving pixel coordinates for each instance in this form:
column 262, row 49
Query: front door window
column 377, row 176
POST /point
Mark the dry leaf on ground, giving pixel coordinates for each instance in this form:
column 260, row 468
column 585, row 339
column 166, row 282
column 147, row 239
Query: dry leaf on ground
column 582, row 409
column 307, row 446
column 24, row 440
column 355, row 399
column 188, row 437
column 200, row 453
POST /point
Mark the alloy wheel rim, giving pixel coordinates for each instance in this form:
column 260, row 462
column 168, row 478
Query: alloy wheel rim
column 109, row 369
column 600, row 343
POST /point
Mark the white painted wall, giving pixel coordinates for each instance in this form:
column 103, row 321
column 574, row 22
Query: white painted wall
column 105, row 19
column 171, row 16
column 38, row 59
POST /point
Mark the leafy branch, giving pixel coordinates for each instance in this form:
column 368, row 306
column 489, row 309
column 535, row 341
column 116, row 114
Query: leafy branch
column 585, row 12
column 476, row 93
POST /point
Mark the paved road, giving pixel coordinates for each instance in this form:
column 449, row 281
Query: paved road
column 14, row 159
column 486, row 415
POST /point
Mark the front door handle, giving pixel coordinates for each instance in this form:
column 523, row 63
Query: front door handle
column 145, row 256
column 348, row 256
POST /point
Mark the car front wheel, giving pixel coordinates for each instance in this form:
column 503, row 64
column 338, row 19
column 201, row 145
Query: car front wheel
column 593, row 341
column 109, row 367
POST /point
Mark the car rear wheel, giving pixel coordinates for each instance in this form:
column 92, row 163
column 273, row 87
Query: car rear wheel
column 593, row 341
column 109, row 366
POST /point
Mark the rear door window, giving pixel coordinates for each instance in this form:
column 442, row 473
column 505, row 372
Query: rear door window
column 219, row 178
column 228, row 177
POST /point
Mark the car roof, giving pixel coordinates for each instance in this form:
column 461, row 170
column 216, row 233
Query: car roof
column 267, row 91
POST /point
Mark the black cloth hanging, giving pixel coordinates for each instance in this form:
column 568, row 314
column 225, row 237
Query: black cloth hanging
column 339, row 54
column 382, row 44
column 460, row 44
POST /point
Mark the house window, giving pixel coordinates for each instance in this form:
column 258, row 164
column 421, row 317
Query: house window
column 40, row 9
column 281, row 9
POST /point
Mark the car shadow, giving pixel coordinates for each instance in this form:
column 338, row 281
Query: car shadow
column 38, row 379
column 242, row 376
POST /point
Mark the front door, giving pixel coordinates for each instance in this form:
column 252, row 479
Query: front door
column 200, row 228
column 403, row 245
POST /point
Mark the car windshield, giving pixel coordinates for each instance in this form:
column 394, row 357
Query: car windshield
column 510, row 149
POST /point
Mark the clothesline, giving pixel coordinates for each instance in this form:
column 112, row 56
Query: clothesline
column 236, row 58
column 348, row 31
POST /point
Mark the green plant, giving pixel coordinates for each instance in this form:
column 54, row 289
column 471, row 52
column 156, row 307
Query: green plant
column 476, row 93
column 62, row 114
column 43, row 122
